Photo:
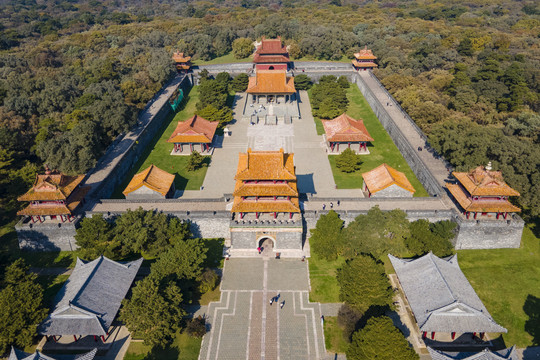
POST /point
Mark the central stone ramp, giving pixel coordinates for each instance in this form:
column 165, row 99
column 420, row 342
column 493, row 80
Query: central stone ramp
column 243, row 324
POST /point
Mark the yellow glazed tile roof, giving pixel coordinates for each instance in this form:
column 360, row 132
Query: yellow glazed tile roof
column 482, row 182
column 265, row 165
column 345, row 129
column 153, row 178
column 480, row 205
column 384, row 176
column 271, row 82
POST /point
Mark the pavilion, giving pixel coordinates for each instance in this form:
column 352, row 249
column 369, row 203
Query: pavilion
column 486, row 354
column 88, row 302
column 151, row 183
column 268, row 86
column 483, row 191
column 265, row 184
column 364, row 59
column 441, row 298
column 193, row 131
column 16, row 354
column 53, row 195
column 385, row 181
column 346, row 130
column 271, row 55
column 183, row 63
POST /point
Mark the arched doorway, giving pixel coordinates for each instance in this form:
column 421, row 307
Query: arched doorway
column 271, row 67
column 267, row 245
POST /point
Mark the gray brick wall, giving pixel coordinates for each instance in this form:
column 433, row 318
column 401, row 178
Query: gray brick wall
column 47, row 236
column 248, row 238
column 489, row 234
column 392, row 191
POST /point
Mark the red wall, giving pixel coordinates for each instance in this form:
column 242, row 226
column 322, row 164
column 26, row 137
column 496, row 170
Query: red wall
column 274, row 66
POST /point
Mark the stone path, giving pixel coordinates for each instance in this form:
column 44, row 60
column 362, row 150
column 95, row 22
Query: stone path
column 245, row 325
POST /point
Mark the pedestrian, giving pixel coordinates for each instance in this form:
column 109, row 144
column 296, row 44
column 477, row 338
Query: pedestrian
column 338, row 202
column 282, row 304
column 331, row 205
column 271, row 301
column 323, row 206
column 322, row 320
column 259, row 250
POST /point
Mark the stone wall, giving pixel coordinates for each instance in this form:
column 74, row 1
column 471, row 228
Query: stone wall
column 393, row 191
column 47, row 236
column 409, row 153
column 284, row 238
column 489, row 234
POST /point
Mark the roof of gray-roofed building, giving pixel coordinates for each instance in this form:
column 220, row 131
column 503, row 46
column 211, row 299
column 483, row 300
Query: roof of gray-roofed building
column 486, row 354
column 441, row 297
column 89, row 300
column 21, row 355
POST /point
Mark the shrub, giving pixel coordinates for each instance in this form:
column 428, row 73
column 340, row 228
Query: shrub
column 195, row 161
column 208, row 281
column 196, row 327
column 348, row 318
column 348, row 161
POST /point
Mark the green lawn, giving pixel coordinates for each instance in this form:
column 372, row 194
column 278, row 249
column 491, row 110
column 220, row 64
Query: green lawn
column 333, row 336
column 382, row 149
column 322, row 275
column 504, row 279
column 159, row 153
column 184, row 347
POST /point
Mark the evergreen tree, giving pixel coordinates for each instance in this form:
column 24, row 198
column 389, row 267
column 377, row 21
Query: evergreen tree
column 240, row 83
column 20, row 307
column 363, row 283
column 302, row 82
column 380, row 340
column 326, row 239
column 242, row 48
column 195, row 161
column 94, row 238
column 348, row 161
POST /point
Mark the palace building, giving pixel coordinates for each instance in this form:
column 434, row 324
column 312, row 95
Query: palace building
column 271, row 55
column 347, row 131
column 442, row 299
column 17, row 354
column 482, row 191
column 55, row 196
column 364, row 60
column 265, row 184
column 486, row 354
column 385, row 181
column 151, row 183
column 191, row 132
column 269, row 86
column 183, row 63
column 88, row 302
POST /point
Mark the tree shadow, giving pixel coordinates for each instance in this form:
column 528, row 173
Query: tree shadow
column 532, row 326
column 162, row 353
column 214, row 253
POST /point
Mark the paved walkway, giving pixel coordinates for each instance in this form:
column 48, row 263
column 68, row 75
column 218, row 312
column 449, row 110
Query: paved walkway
column 245, row 325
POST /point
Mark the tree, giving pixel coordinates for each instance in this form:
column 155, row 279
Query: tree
column 94, row 238
column 328, row 98
column 208, row 281
column 380, row 340
column 212, row 92
column 222, row 116
column 348, row 319
column 240, row 83
column 326, row 239
column 242, row 48
column 465, row 47
column 196, row 327
column 195, row 161
column 184, row 260
column 223, row 77
column 153, row 312
column 20, row 307
column 348, row 161
column 343, row 82
column 302, row 82
column 377, row 233
column 363, row 284
column 423, row 239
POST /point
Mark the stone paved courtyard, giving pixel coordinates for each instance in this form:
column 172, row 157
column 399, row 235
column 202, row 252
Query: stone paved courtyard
column 243, row 324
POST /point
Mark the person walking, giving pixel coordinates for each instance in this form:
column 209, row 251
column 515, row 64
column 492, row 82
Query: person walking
column 259, row 250
column 323, row 206
column 282, row 304
column 338, row 202
column 271, row 301
column 331, row 205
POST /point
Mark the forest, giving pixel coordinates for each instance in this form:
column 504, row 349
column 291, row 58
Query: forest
column 74, row 74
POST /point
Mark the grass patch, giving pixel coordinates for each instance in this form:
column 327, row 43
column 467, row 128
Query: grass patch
column 322, row 274
column 51, row 286
column 333, row 336
column 159, row 153
column 225, row 59
column 210, row 296
column 382, row 149
column 504, row 279
column 184, row 347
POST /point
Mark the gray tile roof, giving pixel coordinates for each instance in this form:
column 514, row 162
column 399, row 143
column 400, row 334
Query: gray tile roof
column 21, row 355
column 440, row 296
column 506, row 354
column 89, row 300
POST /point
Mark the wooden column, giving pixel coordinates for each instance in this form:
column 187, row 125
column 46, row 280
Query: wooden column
column 432, row 335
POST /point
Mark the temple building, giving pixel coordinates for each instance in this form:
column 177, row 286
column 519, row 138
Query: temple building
column 442, row 299
column 88, row 302
column 271, row 55
column 55, row 196
column 265, row 184
column 385, row 181
column 483, row 191
column 486, row 354
column 364, row 60
column 269, row 86
column 183, row 63
column 192, row 132
column 16, row 354
column 347, row 131
column 151, row 183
